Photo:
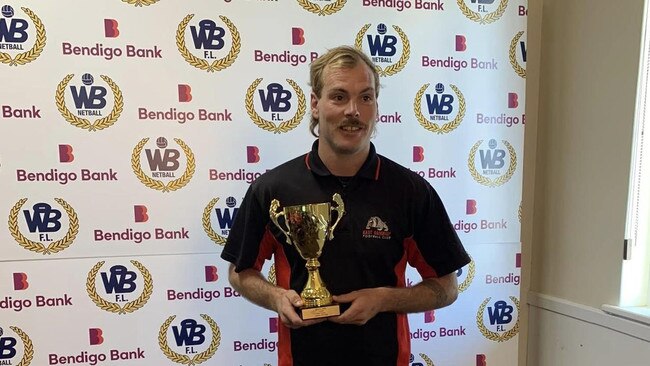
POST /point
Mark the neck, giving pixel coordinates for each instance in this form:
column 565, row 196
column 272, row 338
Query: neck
column 343, row 165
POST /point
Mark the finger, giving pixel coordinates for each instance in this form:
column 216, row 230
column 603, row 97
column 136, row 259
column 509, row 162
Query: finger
column 291, row 319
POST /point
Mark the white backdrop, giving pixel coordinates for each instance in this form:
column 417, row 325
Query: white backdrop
column 130, row 130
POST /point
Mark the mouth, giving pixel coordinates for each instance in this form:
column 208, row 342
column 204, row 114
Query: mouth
column 352, row 126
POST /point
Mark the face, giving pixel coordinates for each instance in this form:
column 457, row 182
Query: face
column 346, row 110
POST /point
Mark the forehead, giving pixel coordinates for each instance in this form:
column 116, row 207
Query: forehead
column 356, row 77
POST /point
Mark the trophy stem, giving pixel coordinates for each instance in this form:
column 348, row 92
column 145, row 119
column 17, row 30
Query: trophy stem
column 315, row 294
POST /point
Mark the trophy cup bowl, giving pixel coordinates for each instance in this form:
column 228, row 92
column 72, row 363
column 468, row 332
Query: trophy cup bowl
column 307, row 228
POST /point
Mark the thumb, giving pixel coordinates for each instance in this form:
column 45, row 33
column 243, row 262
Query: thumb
column 294, row 299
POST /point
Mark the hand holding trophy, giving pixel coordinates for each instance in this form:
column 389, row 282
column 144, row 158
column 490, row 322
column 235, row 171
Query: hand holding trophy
column 307, row 228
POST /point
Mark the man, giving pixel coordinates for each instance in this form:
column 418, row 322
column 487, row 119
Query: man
column 393, row 217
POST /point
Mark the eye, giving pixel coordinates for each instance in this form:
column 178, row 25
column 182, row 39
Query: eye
column 338, row 97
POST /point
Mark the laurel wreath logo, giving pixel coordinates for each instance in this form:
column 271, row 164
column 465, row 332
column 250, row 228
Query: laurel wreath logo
column 28, row 347
column 272, row 277
column 426, row 359
column 434, row 127
column 519, row 212
column 37, row 48
column 266, row 125
column 512, row 55
column 157, row 184
column 494, row 336
column 207, row 224
column 485, row 180
column 184, row 359
column 140, row 2
column 471, row 271
column 325, row 10
column 488, row 18
column 216, row 65
column 399, row 65
column 54, row 247
column 111, row 307
column 84, row 123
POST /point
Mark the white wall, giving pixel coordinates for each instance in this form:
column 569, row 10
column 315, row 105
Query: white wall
column 581, row 75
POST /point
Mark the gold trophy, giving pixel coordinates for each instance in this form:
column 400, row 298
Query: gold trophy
column 308, row 226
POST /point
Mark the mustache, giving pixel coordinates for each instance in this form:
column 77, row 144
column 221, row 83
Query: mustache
column 352, row 122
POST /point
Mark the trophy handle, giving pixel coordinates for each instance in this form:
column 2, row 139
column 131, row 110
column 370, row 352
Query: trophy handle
column 275, row 204
column 340, row 211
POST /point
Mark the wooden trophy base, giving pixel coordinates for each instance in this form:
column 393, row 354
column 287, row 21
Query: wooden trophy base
column 320, row 312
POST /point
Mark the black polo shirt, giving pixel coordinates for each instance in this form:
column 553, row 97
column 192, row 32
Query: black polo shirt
column 393, row 217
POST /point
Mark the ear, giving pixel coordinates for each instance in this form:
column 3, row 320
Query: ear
column 314, row 105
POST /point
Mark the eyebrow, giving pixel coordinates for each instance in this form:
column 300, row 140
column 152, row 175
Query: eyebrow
column 338, row 90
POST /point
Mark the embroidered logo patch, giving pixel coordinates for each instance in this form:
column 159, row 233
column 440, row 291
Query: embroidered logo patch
column 376, row 228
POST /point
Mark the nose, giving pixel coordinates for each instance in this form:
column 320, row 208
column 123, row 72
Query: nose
column 352, row 110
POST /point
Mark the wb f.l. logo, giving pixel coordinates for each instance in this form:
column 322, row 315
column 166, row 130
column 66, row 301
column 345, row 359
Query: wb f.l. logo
column 208, row 35
column 190, row 338
column 210, row 40
column 276, row 100
column 43, row 223
column 501, row 325
column 190, row 333
column 119, row 283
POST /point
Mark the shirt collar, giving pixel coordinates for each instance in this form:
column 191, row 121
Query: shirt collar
column 369, row 169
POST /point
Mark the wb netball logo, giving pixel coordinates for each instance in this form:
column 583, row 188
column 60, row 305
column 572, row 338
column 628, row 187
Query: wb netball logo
column 384, row 46
column 163, row 161
column 502, row 320
column 10, row 352
column 44, row 224
column 192, row 341
column 210, row 42
column 224, row 216
column 16, row 34
column 444, row 111
column 329, row 9
column 89, row 101
column 495, row 163
column 119, row 287
column 483, row 11
column 282, row 110
column 517, row 54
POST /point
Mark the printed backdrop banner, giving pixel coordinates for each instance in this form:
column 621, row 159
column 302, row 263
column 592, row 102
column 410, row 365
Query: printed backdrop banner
column 131, row 129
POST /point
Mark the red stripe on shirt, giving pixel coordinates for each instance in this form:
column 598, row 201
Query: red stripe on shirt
column 403, row 336
column 377, row 170
column 416, row 260
column 282, row 278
